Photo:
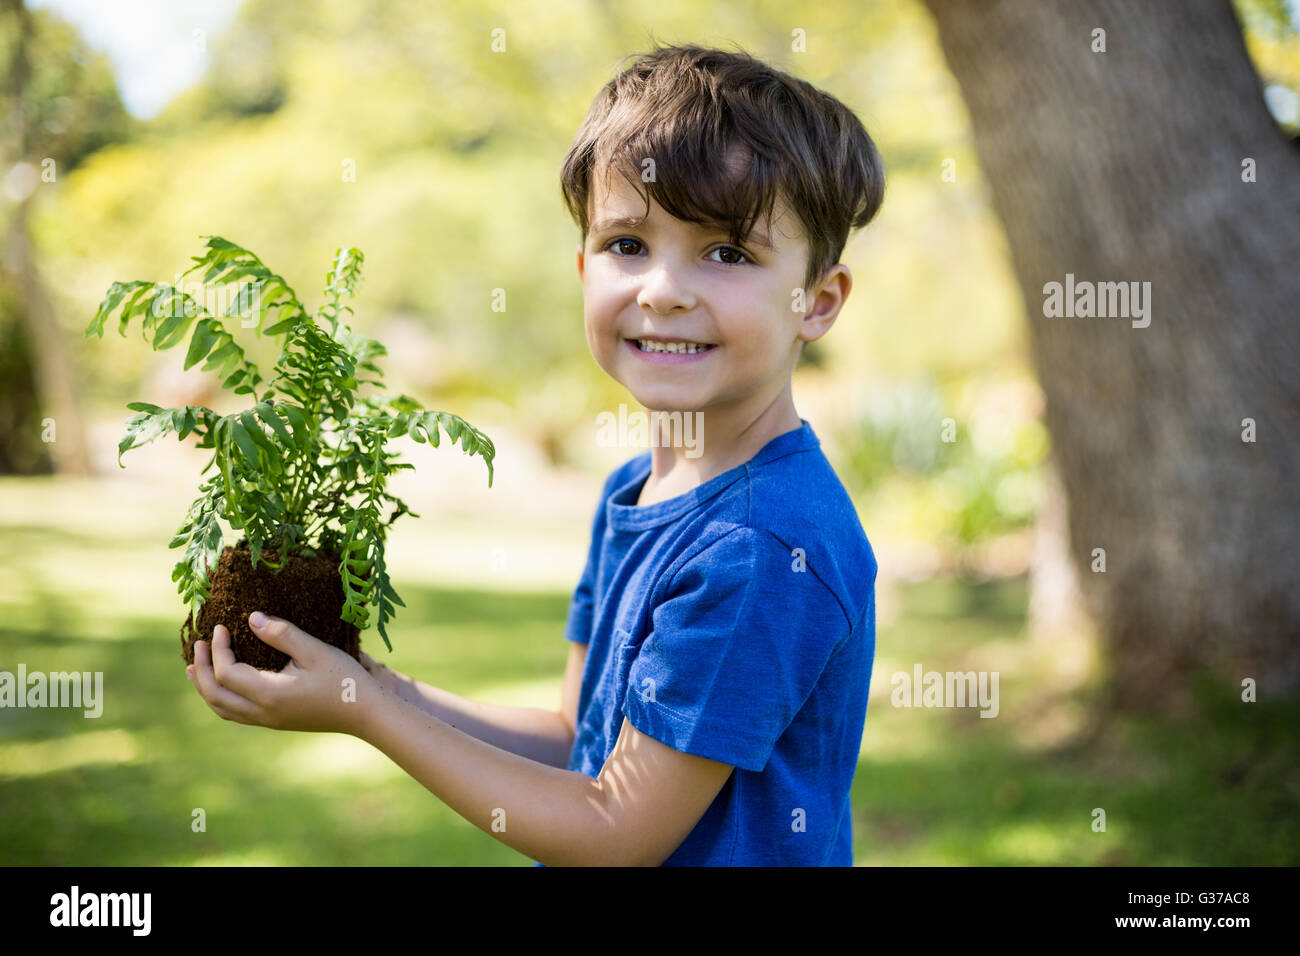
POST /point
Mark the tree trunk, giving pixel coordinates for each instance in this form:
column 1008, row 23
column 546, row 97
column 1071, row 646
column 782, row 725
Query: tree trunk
column 1055, row 604
column 1127, row 166
column 56, row 382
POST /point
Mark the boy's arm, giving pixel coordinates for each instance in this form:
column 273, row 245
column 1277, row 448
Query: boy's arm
column 646, row 800
column 545, row 736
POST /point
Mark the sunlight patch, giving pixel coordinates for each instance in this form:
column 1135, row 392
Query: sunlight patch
column 1030, row 844
column 335, row 756
column 64, row 753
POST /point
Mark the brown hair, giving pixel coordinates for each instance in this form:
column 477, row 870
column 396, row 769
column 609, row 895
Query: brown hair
column 727, row 134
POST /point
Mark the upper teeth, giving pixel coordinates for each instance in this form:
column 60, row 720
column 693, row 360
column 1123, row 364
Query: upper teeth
column 688, row 347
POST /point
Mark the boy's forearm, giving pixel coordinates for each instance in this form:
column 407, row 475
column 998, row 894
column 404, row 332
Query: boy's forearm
column 540, row 735
column 551, row 815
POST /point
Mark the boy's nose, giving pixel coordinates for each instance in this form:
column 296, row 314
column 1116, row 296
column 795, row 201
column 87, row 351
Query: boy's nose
column 663, row 292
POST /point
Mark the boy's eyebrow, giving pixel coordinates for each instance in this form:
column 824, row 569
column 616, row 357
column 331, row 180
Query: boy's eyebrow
column 617, row 222
column 627, row 222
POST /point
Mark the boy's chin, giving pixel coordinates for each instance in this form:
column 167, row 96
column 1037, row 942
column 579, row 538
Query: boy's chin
column 653, row 400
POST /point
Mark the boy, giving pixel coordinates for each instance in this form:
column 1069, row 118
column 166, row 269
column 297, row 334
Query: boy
column 723, row 631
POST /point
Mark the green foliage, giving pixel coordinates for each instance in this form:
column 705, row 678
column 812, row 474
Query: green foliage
column 970, row 477
column 304, row 470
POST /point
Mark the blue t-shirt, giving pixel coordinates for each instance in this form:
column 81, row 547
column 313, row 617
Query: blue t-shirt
column 736, row 622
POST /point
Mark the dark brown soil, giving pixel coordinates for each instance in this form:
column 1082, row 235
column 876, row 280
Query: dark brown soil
column 307, row 592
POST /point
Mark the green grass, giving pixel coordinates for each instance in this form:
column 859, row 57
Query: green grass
column 934, row 786
column 122, row 789
column 1217, row 785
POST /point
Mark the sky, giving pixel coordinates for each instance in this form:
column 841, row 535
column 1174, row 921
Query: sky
column 152, row 44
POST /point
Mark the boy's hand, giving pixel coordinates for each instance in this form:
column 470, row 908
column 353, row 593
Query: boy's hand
column 322, row 688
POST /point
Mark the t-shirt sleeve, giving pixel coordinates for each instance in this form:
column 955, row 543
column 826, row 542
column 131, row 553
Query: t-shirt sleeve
column 739, row 640
column 577, row 626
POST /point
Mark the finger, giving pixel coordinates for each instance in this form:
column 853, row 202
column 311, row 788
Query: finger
column 282, row 635
column 216, row 696
column 244, row 679
column 233, row 718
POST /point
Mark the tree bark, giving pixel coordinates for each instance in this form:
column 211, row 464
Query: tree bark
column 1127, row 165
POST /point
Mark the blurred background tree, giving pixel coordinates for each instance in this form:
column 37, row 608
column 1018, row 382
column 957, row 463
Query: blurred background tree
column 60, row 105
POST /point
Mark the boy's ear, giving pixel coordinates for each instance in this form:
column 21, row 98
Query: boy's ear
column 581, row 263
column 826, row 303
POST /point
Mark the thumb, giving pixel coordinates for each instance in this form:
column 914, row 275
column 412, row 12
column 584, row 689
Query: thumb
column 280, row 634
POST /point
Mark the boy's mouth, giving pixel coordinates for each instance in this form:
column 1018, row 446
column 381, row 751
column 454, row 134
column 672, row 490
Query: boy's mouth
column 679, row 347
column 660, row 352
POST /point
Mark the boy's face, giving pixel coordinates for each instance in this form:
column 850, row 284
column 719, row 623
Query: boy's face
column 680, row 282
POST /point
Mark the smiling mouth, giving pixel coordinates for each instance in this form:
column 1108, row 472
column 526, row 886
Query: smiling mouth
column 674, row 348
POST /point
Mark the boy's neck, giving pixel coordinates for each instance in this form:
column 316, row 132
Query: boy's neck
column 731, row 436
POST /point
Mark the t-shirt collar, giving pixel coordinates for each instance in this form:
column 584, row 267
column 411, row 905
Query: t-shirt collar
column 623, row 514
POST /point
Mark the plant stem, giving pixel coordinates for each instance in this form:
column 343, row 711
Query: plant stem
column 294, row 507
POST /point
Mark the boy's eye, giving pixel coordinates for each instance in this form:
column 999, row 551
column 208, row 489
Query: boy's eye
column 621, row 242
column 734, row 251
column 738, row 256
